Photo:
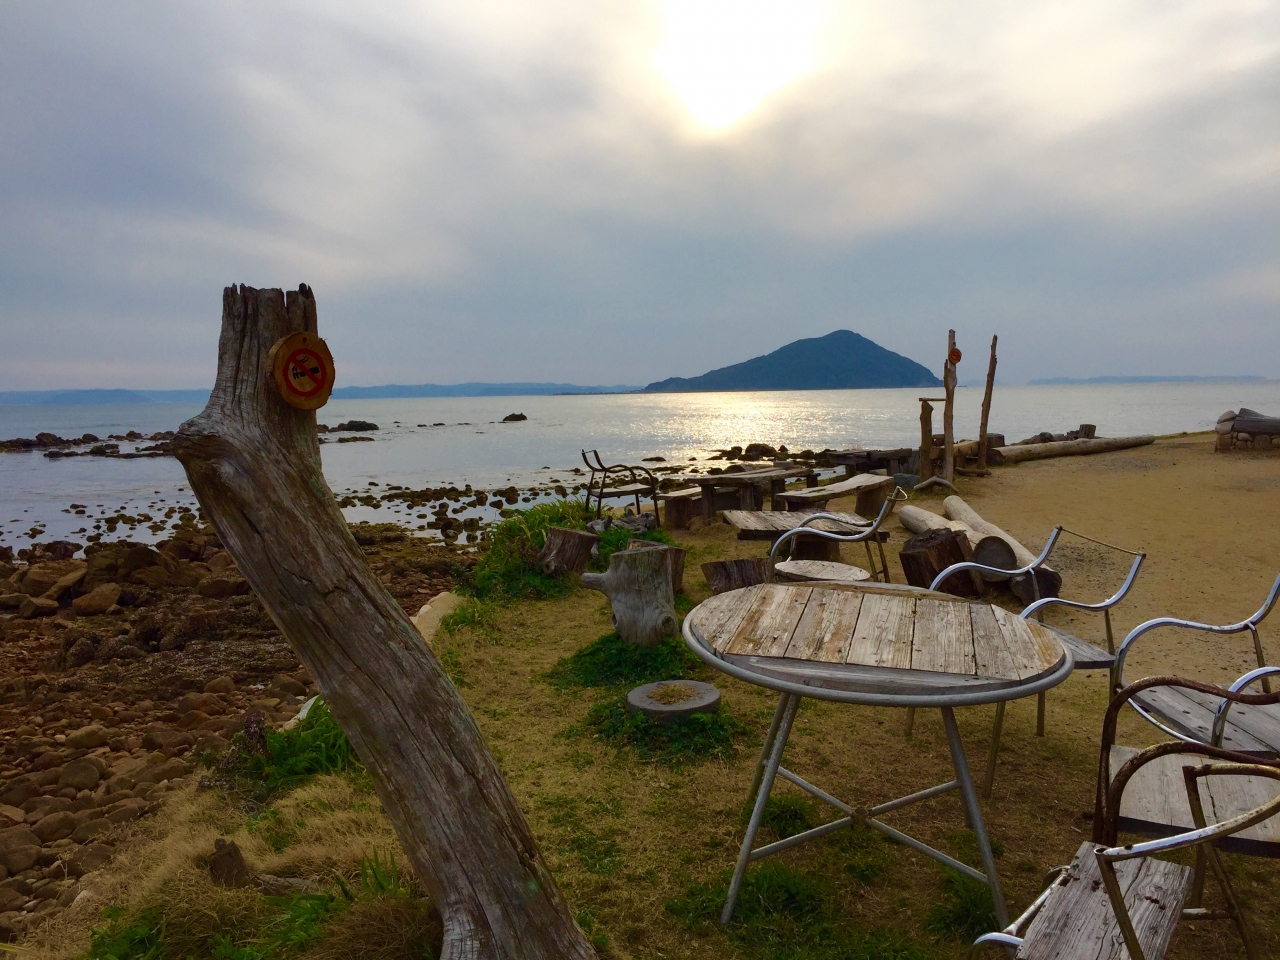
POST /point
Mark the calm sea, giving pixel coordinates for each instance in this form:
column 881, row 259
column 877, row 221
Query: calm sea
column 474, row 447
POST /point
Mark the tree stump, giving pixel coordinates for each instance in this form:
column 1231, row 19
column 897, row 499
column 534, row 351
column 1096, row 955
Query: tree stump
column 725, row 575
column 677, row 560
column 927, row 554
column 638, row 585
column 254, row 463
column 566, row 551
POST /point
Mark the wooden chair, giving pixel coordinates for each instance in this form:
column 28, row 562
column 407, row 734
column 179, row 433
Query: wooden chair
column 1087, row 656
column 643, row 483
column 1194, row 716
column 1115, row 901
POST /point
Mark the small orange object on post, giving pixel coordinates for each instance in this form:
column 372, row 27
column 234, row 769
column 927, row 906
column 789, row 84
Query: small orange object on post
column 954, row 355
column 303, row 368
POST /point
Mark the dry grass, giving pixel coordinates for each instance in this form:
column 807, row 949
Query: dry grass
column 634, row 844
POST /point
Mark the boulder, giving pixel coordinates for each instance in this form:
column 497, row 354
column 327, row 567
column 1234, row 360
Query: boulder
column 166, row 739
column 283, row 685
column 66, row 584
column 41, row 577
column 119, row 648
column 150, row 576
column 55, row 826
column 222, row 587
column 33, row 607
column 81, row 774
column 89, row 858
column 87, row 738
column 11, row 899
column 17, row 859
column 80, row 653
column 21, row 836
column 97, row 601
column 91, row 829
column 355, row 425
column 127, row 810
column 220, row 685
column 169, row 770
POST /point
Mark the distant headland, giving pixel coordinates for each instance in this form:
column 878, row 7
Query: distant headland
column 842, row 360
column 1063, row 381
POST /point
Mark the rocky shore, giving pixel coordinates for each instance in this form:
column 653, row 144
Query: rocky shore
column 120, row 672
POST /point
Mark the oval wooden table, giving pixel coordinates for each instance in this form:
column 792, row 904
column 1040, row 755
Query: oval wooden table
column 878, row 645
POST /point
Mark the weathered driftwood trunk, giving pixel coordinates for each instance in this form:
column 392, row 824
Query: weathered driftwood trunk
column 927, row 554
column 1048, row 581
column 566, row 551
column 638, row 585
column 980, row 548
column 983, row 453
column 949, row 410
column 1070, row 448
column 254, row 464
column 725, row 575
column 926, row 439
column 676, row 555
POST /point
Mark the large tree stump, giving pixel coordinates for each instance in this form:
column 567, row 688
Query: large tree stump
column 677, row 559
column 725, row 575
column 927, row 554
column 566, row 551
column 254, row 463
column 1047, row 581
column 638, row 585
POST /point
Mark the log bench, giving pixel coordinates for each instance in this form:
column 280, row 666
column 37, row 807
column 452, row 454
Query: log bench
column 870, row 489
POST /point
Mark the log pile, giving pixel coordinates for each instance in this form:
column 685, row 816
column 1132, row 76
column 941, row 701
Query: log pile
column 1247, row 430
column 1020, row 452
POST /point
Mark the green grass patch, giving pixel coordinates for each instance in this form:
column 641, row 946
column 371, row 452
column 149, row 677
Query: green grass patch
column 966, row 910
column 785, row 814
column 685, row 740
column 141, row 938
column 612, row 662
column 285, row 759
column 617, row 538
column 783, row 914
column 507, row 569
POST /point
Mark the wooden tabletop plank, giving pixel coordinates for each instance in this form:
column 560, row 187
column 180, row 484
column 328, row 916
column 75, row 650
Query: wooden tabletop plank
column 843, row 488
column 882, row 637
column 1034, row 648
column 717, row 618
column 826, row 628
column 770, row 620
column 990, row 654
column 943, row 638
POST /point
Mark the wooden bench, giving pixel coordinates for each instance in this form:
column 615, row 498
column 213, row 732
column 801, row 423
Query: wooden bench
column 681, row 505
column 871, row 490
column 821, row 570
column 757, row 525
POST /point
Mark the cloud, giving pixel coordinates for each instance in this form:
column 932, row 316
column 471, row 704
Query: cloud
column 498, row 190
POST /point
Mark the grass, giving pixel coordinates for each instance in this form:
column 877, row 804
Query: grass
column 613, row 662
column 286, row 759
column 966, row 910
column 507, row 570
column 617, row 538
column 685, row 740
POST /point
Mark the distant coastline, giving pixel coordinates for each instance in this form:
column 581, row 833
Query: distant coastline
column 77, row 398
column 1067, row 381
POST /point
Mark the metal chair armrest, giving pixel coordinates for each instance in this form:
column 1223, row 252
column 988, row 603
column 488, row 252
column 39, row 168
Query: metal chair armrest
column 1220, row 714
column 862, row 535
column 982, row 568
column 1098, row 607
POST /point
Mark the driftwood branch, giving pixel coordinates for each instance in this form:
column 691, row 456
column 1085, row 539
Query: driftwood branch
column 986, row 408
column 254, row 463
column 1070, row 448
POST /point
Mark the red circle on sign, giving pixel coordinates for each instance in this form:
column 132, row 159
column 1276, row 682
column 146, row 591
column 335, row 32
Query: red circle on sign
column 305, row 373
column 954, row 355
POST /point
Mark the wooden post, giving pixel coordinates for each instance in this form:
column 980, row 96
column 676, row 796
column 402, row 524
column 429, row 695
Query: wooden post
column 926, row 439
column 254, row 463
column 566, row 551
column 948, row 410
column 986, row 408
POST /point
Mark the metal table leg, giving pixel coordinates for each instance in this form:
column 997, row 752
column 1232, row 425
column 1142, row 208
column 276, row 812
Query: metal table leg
column 784, row 717
column 974, row 813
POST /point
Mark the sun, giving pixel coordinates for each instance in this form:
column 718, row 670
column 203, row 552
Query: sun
column 723, row 58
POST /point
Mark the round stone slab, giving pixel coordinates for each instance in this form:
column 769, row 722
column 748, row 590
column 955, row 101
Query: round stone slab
column 669, row 700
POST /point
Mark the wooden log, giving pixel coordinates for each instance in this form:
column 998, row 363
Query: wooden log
column 926, row 439
column 983, row 445
column 1256, row 424
column 1086, row 431
column 638, row 585
column 566, row 551
column 949, row 410
column 919, row 520
column 1019, row 452
column 677, row 560
column 725, row 575
column 927, row 554
column 1048, row 581
column 253, row 462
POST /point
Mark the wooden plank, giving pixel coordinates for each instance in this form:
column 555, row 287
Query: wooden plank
column 770, row 620
column 855, row 484
column 1232, row 796
column 882, row 637
column 1077, row 921
column 826, row 627
column 826, row 570
column 1261, row 723
column 943, row 638
column 991, row 655
column 717, row 619
column 780, row 521
column 1034, row 649
column 1086, row 655
column 1184, row 711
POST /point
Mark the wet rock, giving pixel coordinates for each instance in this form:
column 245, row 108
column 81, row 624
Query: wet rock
column 354, row 425
column 98, row 600
column 514, row 418
column 87, row 738
column 81, row 774
column 227, row 867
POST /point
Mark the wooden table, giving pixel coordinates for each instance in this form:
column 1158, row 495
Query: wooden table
column 758, row 525
column 871, row 490
column 879, row 645
column 747, row 482
column 864, row 461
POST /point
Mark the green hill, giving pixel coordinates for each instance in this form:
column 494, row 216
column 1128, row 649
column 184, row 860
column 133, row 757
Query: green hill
column 842, row 360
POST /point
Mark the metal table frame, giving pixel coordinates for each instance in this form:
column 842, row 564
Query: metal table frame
column 769, row 767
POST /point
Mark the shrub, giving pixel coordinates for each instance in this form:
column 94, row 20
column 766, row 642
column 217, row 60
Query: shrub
column 507, row 570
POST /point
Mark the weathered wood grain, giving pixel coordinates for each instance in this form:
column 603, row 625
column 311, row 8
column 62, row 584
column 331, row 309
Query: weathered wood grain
column 1034, row 649
column 826, row 628
column 823, row 570
column 943, row 638
column 990, row 651
column 770, row 621
column 882, row 637
column 254, row 464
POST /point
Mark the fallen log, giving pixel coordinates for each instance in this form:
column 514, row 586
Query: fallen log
column 566, row 551
column 725, row 575
column 1017, row 453
column 927, row 554
column 1049, row 581
column 638, row 585
column 980, row 548
column 973, row 448
column 253, row 462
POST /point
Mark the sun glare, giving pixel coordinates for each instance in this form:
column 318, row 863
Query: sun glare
column 725, row 57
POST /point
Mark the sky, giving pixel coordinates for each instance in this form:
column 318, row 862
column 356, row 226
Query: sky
column 620, row 191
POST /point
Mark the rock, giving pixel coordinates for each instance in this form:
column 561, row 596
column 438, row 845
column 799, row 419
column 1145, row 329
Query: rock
column 127, row 810
column 97, row 601
column 15, row 837
column 10, row 816
column 227, row 867
column 169, row 770
column 119, row 648
column 354, row 425
column 514, row 418
column 282, row 686
column 89, row 858
column 55, row 826
column 18, row 859
column 150, row 576
column 90, row 829
column 81, row 774
column 66, row 583
column 41, row 577
column 220, row 685
column 33, row 607
column 80, row 653
column 166, row 739
column 211, row 743
column 221, row 587
column 87, row 738
column 11, row 900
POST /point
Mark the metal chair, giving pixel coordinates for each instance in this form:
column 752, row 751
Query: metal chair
column 646, row 485
column 1194, row 716
column 865, row 536
column 1087, row 656
column 1119, row 897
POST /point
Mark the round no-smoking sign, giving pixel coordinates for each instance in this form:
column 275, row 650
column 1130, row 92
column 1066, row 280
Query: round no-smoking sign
column 303, row 368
